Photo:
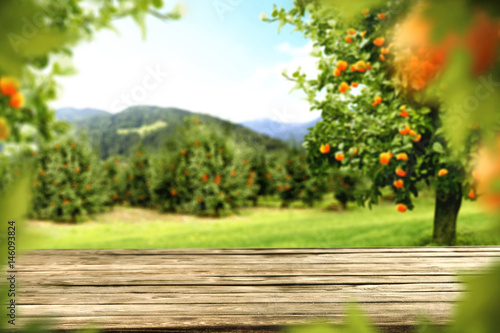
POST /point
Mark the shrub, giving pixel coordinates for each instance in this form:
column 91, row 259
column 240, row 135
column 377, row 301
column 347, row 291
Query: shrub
column 68, row 183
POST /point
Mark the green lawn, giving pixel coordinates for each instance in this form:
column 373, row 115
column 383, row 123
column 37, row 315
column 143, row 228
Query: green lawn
column 262, row 227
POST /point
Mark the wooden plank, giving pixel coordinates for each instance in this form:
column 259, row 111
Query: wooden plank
column 214, row 309
column 228, row 323
column 242, row 290
column 219, row 290
column 255, row 260
column 210, row 280
column 34, row 298
column 423, row 266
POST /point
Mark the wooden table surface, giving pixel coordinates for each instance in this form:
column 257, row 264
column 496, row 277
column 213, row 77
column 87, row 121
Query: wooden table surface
column 241, row 290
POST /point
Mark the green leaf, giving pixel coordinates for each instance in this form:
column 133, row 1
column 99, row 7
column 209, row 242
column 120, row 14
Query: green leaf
column 438, row 147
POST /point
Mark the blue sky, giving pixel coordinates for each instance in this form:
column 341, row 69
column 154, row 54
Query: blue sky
column 219, row 59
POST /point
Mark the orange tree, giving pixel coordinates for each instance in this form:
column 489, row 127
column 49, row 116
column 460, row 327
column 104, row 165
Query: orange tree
column 112, row 168
column 374, row 125
column 294, row 181
column 136, row 179
column 343, row 185
column 68, row 182
column 203, row 172
column 261, row 165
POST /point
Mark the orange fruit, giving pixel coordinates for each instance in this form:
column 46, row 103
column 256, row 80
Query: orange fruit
column 342, row 65
column 401, row 173
column 17, row 100
column 377, row 100
column 324, row 149
column 442, row 172
column 379, row 41
column 405, row 130
column 399, row 183
column 401, row 208
column 402, row 157
column 344, row 87
column 8, row 86
column 385, row 158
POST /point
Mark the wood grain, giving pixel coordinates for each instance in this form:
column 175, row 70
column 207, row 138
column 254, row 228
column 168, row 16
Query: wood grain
column 242, row 290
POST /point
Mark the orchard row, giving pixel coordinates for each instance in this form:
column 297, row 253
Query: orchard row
column 202, row 173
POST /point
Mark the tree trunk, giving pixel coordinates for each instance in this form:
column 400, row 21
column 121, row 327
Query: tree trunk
column 445, row 216
column 343, row 203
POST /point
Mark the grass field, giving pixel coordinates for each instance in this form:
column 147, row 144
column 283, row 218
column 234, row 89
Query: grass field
column 262, row 227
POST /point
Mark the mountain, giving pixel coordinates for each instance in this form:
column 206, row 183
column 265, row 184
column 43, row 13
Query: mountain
column 117, row 134
column 283, row 131
column 72, row 115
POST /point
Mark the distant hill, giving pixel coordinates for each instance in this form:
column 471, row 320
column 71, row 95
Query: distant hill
column 283, row 131
column 116, row 134
column 72, row 115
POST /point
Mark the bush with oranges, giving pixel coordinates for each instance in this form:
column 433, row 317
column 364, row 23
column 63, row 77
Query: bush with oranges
column 113, row 170
column 202, row 172
column 135, row 179
column 294, row 181
column 68, row 182
column 373, row 123
column 262, row 164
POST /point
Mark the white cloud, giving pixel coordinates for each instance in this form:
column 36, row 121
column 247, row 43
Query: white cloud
column 104, row 80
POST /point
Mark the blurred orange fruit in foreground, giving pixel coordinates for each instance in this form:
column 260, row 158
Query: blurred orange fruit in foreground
column 17, row 100
column 419, row 60
column 8, row 86
column 482, row 41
